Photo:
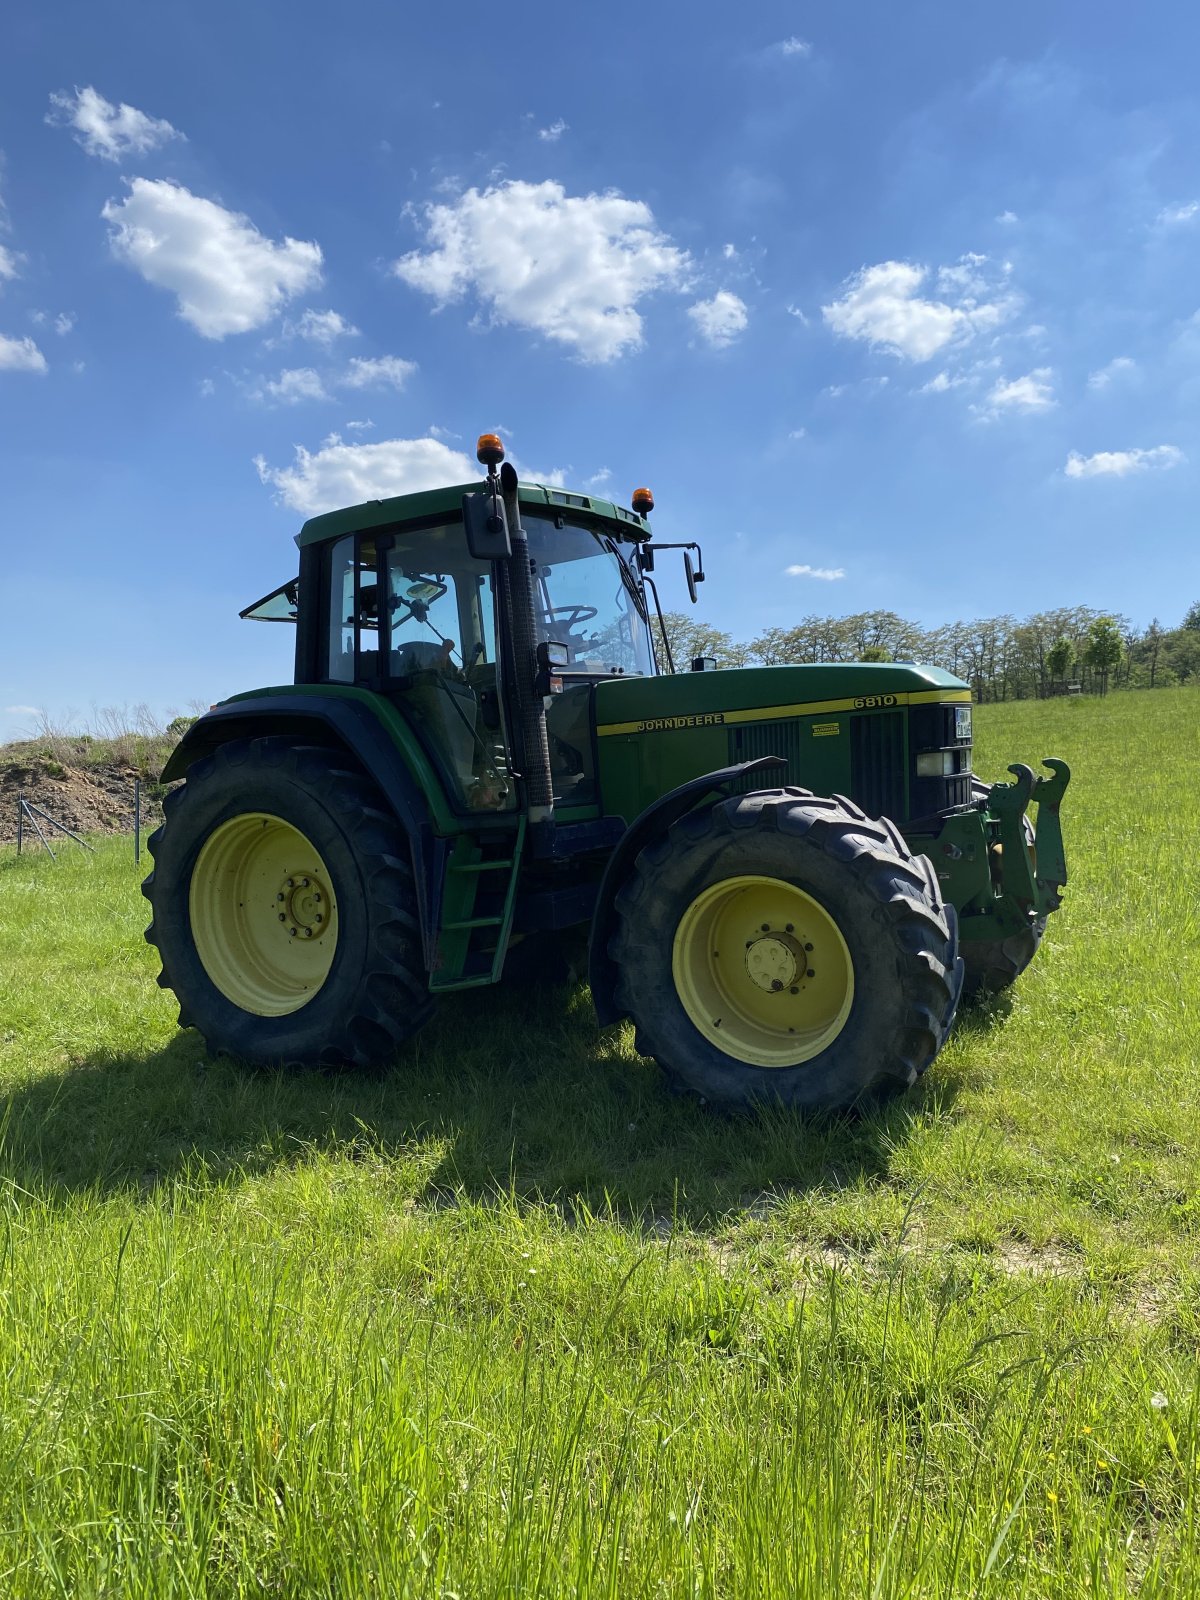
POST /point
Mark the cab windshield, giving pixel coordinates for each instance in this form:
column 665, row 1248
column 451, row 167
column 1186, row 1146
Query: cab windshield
column 586, row 598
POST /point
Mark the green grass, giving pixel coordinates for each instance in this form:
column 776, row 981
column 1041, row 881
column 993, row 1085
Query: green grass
column 509, row 1319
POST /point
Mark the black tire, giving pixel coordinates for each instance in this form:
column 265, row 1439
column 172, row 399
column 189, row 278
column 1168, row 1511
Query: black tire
column 885, row 902
column 992, row 965
column 375, row 994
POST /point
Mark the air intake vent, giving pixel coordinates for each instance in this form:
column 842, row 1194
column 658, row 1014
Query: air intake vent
column 877, row 763
column 766, row 739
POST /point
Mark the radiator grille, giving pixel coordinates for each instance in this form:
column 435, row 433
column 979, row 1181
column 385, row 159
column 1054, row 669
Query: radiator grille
column 877, row 763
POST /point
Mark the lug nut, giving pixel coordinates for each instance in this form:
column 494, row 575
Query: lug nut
column 279, row 897
column 316, row 898
column 776, row 984
column 794, row 990
column 291, row 883
column 291, row 933
column 766, row 927
column 282, row 918
column 808, row 946
column 791, row 928
column 308, row 933
column 320, row 918
column 810, row 973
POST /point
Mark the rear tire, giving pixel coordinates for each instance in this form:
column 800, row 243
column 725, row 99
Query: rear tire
column 323, row 966
column 801, row 934
column 992, row 965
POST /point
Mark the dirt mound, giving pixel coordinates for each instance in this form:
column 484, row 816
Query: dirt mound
column 93, row 799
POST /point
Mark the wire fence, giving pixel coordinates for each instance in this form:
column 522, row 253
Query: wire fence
column 32, row 816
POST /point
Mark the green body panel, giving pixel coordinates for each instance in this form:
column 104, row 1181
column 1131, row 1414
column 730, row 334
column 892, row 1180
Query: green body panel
column 448, row 503
column 395, row 725
column 655, row 733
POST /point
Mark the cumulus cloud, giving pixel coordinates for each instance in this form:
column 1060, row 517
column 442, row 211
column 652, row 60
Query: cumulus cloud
column 721, row 319
column 293, row 385
column 227, row 277
column 571, row 267
column 1118, row 367
column 8, row 263
column 105, row 130
column 794, row 47
column 378, row 372
column 1033, row 392
column 1173, row 215
column 942, row 383
column 322, row 327
column 882, row 307
column 554, row 132
column 341, row 474
column 827, row 574
column 20, row 355
column 1121, row 463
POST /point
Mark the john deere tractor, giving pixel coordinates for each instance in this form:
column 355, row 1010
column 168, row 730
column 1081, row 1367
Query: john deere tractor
column 789, row 874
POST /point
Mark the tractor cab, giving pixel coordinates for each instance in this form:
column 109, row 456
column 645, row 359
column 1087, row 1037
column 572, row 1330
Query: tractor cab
column 391, row 600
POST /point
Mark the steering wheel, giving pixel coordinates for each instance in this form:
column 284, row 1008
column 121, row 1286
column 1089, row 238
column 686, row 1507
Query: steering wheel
column 571, row 616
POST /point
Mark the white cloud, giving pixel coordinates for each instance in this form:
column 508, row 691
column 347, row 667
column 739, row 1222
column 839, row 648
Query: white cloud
column 23, row 711
column 1033, row 392
column 342, row 474
column 378, row 372
column 881, row 306
column 1120, row 463
column 8, row 263
column 1118, row 367
column 64, row 322
column 795, row 311
column 572, row 267
column 827, row 574
column 364, row 425
column 941, row 383
column 794, row 47
column 1188, row 212
column 293, row 385
column 729, row 251
column 207, row 388
column 1008, row 218
column 798, row 433
column 720, row 319
column 227, row 276
column 554, row 132
column 443, row 433
column 20, row 355
column 599, row 480
column 322, row 327
column 105, row 130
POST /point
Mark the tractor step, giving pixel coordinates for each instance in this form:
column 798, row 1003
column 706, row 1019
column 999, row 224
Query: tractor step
column 477, row 911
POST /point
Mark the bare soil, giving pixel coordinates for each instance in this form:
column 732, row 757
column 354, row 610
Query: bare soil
column 96, row 797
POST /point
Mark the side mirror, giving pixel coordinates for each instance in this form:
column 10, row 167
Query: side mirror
column 691, row 575
column 486, row 524
column 645, row 557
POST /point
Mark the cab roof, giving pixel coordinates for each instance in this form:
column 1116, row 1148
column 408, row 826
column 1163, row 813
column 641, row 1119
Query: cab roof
column 448, row 502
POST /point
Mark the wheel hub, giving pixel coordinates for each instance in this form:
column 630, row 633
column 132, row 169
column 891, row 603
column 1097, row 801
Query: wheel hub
column 774, row 961
column 303, row 907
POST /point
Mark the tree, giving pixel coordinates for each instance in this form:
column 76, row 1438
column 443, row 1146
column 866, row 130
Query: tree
column 875, row 652
column 1191, row 619
column 1059, row 658
column 1104, row 648
column 690, row 638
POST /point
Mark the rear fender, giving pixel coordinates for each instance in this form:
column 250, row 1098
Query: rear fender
column 330, row 720
column 650, row 824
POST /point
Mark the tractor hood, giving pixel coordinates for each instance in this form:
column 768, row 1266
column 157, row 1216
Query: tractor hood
column 707, row 699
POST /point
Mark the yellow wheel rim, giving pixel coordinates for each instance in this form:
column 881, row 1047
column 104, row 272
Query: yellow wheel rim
column 263, row 914
column 762, row 971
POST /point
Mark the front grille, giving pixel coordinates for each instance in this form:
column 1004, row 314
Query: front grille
column 877, row 763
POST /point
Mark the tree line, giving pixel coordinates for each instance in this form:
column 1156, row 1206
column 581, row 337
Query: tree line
column 1002, row 658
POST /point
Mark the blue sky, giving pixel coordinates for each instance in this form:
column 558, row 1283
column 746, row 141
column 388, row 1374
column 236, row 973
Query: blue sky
column 891, row 306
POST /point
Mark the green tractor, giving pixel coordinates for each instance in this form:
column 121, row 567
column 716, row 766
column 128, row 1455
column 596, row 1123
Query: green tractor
column 789, row 874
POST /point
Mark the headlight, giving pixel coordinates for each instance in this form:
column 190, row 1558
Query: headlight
column 935, row 763
column 962, row 722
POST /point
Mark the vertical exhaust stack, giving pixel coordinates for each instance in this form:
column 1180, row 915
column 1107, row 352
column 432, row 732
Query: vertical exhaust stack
column 531, row 712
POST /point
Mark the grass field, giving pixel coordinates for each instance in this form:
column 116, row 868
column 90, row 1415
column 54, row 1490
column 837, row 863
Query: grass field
column 510, row 1320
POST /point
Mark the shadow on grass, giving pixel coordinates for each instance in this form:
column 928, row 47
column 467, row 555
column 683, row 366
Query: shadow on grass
column 504, row 1093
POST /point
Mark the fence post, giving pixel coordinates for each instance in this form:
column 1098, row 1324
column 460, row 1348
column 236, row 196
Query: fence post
column 137, row 821
column 20, row 827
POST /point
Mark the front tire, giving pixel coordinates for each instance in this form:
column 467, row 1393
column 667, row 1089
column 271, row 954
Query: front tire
column 785, row 947
column 284, row 908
